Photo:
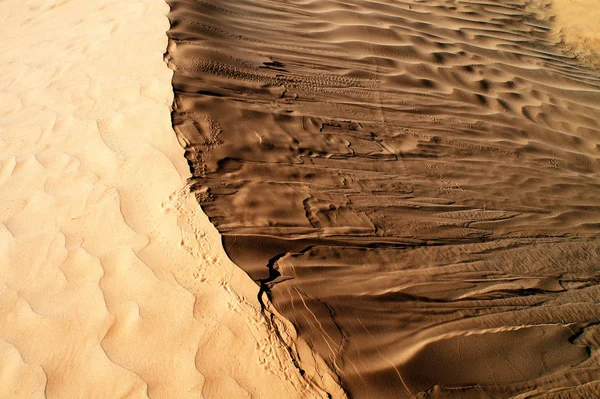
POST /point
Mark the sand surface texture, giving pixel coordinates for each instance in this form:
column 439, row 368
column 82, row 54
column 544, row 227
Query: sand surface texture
column 112, row 282
column 577, row 24
column 414, row 183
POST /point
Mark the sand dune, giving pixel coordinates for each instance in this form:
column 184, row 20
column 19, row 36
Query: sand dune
column 112, row 282
column 413, row 183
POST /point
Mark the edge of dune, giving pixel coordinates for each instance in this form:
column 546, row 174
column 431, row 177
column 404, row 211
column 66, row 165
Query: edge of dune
column 113, row 282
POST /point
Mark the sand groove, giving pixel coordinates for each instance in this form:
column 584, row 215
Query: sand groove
column 414, row 183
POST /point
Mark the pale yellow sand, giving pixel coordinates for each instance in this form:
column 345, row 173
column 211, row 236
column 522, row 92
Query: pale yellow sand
column 580, row 19
column 112, row 282
column 577, row 23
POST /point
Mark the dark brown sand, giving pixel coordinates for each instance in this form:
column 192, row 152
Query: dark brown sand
column 415, row 185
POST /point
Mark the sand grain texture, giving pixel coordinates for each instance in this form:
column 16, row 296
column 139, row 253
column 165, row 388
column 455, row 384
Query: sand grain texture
column 112, row 282
column 576, row 23
column 415, row 184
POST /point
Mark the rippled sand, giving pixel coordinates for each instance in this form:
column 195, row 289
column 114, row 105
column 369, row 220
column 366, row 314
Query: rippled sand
column 414, row 184
column 113, row 284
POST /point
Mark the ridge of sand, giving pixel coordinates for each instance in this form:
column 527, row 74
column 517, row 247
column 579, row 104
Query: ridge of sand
column 112, row 281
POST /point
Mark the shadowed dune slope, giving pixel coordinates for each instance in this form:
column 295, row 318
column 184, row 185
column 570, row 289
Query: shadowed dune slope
column 414, row 184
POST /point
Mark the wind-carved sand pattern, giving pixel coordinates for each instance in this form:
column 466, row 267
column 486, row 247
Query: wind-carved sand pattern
column 113, row 283
column 414, row 184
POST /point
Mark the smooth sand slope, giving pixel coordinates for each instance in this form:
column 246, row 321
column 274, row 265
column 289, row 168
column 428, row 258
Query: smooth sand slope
column 415, row 183
column 112, row 282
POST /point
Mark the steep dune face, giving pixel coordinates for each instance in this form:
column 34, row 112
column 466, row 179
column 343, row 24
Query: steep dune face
column 414, row 184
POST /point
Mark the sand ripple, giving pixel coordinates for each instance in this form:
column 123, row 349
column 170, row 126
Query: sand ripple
column 113, row 284
column 414, row 183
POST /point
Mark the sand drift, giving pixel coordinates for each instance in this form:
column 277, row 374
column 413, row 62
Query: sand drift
column 414, row 184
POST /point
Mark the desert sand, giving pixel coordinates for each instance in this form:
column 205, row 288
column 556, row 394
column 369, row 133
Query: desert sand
column 113, row 283
column 414, row 184
column 577, row 27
